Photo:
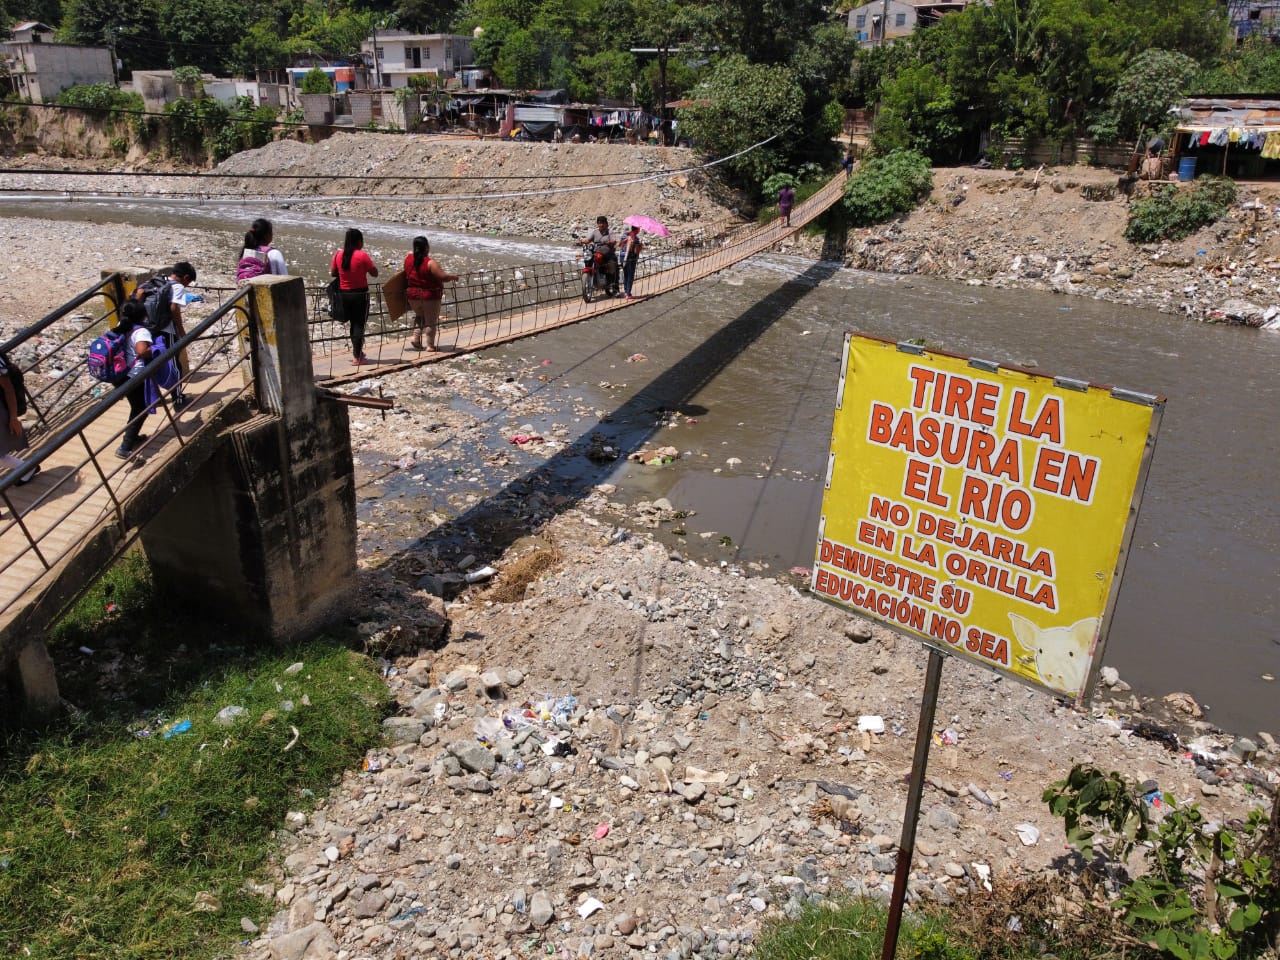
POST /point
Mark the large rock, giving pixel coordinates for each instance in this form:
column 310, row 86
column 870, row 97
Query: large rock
column 541, row 912
column 312, row 942
column 473, row 756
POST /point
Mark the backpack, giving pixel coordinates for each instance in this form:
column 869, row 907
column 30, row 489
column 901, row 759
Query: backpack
column 107, row 359
column 252, row 265
column 151, row 294
column 19, row 386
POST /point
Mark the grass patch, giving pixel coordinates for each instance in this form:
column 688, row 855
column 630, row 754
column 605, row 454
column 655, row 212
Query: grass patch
column 1036, row 918
column 117, row 841
column 854, row 930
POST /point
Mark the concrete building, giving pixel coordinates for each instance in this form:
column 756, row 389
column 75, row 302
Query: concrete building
column 397, row 55
column 868, row 22
column 40, row 69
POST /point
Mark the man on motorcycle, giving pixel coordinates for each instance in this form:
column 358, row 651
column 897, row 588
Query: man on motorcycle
column 601, row 235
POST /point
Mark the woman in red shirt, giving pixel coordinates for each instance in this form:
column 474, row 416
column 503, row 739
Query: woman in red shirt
column 424, row 288
column 353, row 268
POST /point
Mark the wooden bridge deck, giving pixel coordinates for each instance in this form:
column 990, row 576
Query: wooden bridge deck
column 83, row 485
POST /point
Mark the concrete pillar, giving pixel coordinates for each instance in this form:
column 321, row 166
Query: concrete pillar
column 30, row 685
column 265, row 535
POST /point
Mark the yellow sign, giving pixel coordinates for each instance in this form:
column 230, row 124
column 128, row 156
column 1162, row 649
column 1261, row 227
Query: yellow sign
column 986, row 510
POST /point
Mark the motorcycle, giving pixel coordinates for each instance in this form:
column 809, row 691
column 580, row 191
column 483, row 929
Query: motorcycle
column 595, row 272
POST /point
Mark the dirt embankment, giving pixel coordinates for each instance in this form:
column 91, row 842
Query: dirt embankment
column 1059, row 230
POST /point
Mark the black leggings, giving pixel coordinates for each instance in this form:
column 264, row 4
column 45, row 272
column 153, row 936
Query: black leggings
column 355, row 307
column 137, row 403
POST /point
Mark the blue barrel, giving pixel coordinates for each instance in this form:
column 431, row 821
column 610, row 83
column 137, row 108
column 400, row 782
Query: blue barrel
column 1187, row 168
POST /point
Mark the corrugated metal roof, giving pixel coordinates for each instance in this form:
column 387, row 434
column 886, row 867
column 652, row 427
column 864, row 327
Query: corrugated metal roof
column 1211, row 113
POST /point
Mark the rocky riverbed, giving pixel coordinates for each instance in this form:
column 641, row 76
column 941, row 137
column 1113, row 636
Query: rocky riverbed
column 604, row 748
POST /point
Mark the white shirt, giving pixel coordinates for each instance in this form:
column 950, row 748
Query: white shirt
column 137, row 335
column 275, row 260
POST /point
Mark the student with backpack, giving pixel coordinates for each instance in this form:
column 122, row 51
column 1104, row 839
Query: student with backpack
column 159, row 296
column 13, row 435
column 259, row 256
column 137, row 340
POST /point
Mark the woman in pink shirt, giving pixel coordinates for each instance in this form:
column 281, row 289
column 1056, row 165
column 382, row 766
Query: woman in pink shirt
column 353, row 268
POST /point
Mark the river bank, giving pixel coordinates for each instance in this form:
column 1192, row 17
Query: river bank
column 1058, row 229
column 709, row 771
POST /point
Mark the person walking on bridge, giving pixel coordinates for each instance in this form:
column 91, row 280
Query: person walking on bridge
column 353, row 268
column 631, row 247
column 13, row 435
column 424, row 289
column 786, row 200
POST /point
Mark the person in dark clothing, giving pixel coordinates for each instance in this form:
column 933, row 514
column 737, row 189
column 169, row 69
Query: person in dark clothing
column 137, row 351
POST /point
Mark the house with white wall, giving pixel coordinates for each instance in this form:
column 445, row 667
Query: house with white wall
column 397, row 55
column 40, row 69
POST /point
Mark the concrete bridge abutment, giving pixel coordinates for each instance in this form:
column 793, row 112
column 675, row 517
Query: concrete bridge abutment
column 265, row 534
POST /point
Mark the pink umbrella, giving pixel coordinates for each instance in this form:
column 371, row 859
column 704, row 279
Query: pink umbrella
column 648, row 225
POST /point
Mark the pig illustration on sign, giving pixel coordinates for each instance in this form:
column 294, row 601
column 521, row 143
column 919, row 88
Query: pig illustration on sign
column 1061, row 654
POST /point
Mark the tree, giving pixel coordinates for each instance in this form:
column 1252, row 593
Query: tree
column 260, row 48
column 518, row 63
column 425, row 16
column 1154, row 82
column 203, row 32
column 1254, row 65
column 608, row 75
column 740, row 105
column 918, row 112
column 131, row 27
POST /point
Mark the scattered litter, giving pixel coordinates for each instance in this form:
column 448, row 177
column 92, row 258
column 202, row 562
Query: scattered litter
column 802, row 572
column 870, row 723
column 488, row 729
column 1028, row 834
column 601, row 831
column 898, row 729
column 289, row 746
column 984, row 874
column 87, row 651
column 555, row 803
column 947, row 738
column 637, row 358
column 1006, row 774
column 371, row 764
column 980, row 795
column 293, row 668
column 483, row 573
column 411, row 912
column 522, row 439
column 657, row 456
column 229, row 715
column 176, row 728
column 589, row 906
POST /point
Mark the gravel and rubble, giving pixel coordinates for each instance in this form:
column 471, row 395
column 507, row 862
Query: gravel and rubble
column 606, row 747
column 646, row 754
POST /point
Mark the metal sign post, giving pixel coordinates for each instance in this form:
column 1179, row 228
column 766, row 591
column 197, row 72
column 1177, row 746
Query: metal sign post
column 907, row 846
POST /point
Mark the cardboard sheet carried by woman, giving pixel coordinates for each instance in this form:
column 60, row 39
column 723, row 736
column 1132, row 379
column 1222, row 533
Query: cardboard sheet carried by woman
column 393, row 295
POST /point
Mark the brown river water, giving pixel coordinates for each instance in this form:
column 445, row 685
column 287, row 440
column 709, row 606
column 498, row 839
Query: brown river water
column 752, row 358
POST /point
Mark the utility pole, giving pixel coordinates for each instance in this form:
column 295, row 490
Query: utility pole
column 884, row 23
column 377, row 68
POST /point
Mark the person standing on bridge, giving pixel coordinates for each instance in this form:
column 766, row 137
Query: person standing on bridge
column 13, row 435
column 424, row 289
column 257, row 247
column 353, row 268
column 631, row 247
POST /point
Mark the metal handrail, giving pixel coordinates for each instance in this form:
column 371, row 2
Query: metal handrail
column 213, row 332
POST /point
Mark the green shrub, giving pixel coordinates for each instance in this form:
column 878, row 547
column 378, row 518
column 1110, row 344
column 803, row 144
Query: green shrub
column 1172, row 212
column 316, row 80
column 1210, row 891
column 106, row 97
column 885, row 187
